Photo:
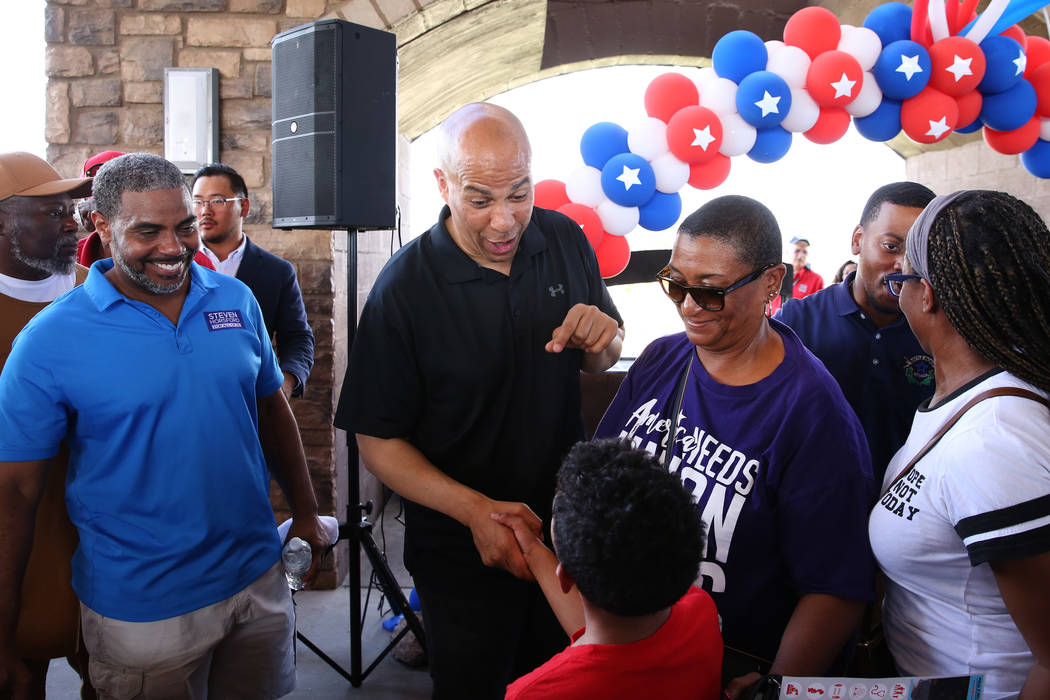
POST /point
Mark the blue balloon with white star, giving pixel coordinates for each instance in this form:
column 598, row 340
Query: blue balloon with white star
column 891, row 21
column 1036, row 159
column 660, row 212
column 763, row 99
column 1010, row 109
column 903, row 69
column 601, row 142
column 628, row 180
column 771, row 144
column 1005, row 63
column 738, row 54
column 882, row 124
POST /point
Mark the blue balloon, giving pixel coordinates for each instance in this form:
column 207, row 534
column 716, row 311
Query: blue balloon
column 763, row 99
column 1016, row 10
column 660, row 212
column 1010, row 109
column 891, row 21
column 882, row 124
column 973, row 126
column 601, row 142
column 903, row 69
column 628, row 180
column 1036, row 159
column 770, row 144
column 1001, row 72
column 738, row 54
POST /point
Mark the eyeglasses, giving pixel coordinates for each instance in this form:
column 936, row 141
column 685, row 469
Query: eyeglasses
column 709, row 298
column 216, row 203
column 895, row 281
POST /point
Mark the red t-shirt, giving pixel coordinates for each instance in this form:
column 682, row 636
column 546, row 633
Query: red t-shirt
column 802, row 285
column 682, row 659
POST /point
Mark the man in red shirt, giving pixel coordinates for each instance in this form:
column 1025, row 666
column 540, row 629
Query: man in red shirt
column 804, row 281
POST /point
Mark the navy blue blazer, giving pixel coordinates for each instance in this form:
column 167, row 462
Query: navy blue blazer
column 273, row 282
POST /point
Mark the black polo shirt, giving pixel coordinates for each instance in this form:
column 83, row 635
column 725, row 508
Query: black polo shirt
column 449, row 355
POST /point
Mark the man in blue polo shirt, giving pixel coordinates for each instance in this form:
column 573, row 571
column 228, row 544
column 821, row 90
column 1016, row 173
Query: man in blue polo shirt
column 857, row 329
column 463, row 388
column 161, row 378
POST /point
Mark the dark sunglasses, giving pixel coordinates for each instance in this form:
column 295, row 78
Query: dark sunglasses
column 709, row 298
column 895, row 281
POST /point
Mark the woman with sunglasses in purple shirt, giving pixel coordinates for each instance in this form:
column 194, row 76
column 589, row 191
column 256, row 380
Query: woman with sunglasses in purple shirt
column 765, row 442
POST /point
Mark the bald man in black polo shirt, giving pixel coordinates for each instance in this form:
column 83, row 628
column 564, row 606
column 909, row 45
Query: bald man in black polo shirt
column 463, row 391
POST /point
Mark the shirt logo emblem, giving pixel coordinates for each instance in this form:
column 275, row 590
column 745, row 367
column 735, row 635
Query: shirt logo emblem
column 222, row 320
column 555, row 291
column 919, row 370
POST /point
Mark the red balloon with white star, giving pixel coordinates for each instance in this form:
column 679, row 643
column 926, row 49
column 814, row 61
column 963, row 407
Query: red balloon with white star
column 588, row 220
column 958, row 65
column 834, row 79
column 930, row 116
column 694, row 134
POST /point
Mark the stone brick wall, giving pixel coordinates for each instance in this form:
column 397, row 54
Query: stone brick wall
column 975, row 166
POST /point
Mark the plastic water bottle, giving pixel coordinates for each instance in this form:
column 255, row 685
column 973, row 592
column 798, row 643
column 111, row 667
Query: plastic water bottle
column 296, row 557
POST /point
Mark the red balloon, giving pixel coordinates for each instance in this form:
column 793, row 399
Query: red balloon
column 1015, row 32
column 694, row 134
column 588, row 220
column 550, row 194
column 668, row 93
column 1037, row 52
column 969, row 107
column 958, row 65
column 709, row 175
column 1013, row 142
column 832, row 124
column 814, row 30
column 613, row 256
column 930, row 116
column 1040, row 79
column 834, row 79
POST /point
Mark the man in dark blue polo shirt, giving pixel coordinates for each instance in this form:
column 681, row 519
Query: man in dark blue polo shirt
column 463, row 390
column 858, row 331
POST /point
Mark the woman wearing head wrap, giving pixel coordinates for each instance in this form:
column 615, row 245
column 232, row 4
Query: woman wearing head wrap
column 963, row 531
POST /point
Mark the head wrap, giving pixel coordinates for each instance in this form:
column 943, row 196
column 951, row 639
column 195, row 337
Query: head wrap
column 919, row 235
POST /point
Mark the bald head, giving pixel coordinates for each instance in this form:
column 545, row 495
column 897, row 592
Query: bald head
column 486, row 132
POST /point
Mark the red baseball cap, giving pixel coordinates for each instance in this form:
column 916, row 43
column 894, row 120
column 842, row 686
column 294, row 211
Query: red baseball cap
column 91, row 165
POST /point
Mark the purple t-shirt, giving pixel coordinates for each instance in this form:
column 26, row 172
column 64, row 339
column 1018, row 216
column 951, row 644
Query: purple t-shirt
column 780, row 470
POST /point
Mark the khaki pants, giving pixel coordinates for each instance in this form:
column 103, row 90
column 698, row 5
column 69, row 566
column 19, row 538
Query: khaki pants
column 238, row 648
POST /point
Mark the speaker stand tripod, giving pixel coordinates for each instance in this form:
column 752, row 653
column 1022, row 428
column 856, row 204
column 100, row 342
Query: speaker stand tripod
column 357, row 531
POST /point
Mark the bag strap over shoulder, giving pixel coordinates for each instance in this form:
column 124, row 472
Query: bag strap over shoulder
column 672, row 428
column 990, row 393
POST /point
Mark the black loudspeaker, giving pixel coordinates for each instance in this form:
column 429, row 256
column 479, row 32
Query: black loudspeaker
column 334, row 127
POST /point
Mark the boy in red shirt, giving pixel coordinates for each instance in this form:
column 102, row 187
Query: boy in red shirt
column 629, row 540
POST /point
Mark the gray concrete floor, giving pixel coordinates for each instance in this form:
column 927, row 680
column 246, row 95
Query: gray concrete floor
column 324, row 618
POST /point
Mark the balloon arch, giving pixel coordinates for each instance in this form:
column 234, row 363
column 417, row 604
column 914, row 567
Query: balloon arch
column 929, row 71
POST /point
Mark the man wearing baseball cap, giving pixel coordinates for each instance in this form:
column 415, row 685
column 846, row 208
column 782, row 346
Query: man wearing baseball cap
column 803, row 281
column 37, row 264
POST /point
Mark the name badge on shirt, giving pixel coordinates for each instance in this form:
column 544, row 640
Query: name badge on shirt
column 222, row 320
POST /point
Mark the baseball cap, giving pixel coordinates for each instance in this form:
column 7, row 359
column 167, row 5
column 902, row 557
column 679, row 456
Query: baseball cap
column 92, row 164
column 26, row 175
column 799, row 239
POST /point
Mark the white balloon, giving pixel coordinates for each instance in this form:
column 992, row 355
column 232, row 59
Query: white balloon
column 772, row 46
column 738, row 137
column 705, row 75
column 671, row 173
column 584, row 186
column 648, row 138
column 792, row 64
column 803, row 114
column 1044, row 129
column 868, row 98
column 863, row 44
column 617, row 220
column 719, row 96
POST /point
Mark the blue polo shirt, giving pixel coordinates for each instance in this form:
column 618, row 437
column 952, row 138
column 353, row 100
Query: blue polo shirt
column 167, row 485
column 884, row 372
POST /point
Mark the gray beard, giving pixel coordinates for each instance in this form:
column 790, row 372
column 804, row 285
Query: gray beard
column 140, row 278
column 52, row 265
